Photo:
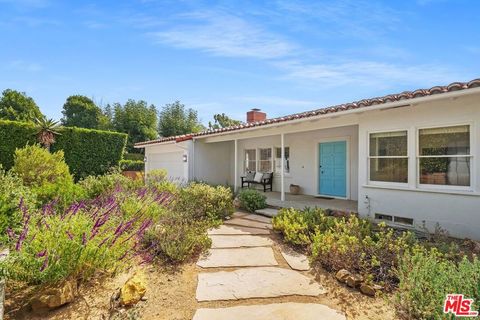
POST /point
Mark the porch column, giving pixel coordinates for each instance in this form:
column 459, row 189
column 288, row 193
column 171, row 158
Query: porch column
column 282, row 169
column 235, row 176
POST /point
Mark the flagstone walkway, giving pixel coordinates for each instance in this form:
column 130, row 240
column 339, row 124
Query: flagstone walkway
column 242, row 265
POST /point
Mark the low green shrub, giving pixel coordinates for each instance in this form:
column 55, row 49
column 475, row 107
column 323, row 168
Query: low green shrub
column 94, row 186
column 352, row 244
column 85, row 239
column 46, row 174
column 176, row 239
column 202, row 201
column 426, row 277
column 156, row 176
column 252, row 200
column 298, row 226
column 12, row 193
column 132, row 165
column 134, row 156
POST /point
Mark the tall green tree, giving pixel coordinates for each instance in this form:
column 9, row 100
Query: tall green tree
column 175, row 119
column 222, row 121
column 137, row 119
column 17, row 106
column 80, row 111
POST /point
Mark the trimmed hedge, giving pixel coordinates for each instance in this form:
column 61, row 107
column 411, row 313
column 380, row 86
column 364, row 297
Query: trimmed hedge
column 14, row 135
column 132, row 165
column 87, row 151
column 134, row 156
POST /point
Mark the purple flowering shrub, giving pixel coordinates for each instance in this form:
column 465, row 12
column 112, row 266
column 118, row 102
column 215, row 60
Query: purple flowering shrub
column 88, row 238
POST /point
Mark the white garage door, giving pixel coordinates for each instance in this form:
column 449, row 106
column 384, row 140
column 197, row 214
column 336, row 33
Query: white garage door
column 170, row 161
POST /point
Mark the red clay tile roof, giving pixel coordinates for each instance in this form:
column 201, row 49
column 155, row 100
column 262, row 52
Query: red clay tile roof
column 455, row 86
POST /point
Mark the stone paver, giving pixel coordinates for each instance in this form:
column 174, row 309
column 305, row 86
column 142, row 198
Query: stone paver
column 238, row 241
column 248, row 223
column 237, row 230
column 260, row 282
column 269, row 212
column 295, row 260
column 238, row 214
column 259, row 218
column 275, row 311
column 238, row 257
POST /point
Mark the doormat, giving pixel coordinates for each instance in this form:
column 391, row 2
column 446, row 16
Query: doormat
column 326, row 198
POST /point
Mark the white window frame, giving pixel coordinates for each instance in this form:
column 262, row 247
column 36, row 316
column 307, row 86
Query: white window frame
column 245, row 160
column 275, row 159
column 471, row 156
column 387, row 183
column 271, row 158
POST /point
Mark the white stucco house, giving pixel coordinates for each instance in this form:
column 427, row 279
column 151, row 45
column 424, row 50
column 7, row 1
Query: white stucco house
column 411, row 159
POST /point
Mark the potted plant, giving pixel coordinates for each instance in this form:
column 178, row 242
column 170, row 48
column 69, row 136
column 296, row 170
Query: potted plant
column 294, row 189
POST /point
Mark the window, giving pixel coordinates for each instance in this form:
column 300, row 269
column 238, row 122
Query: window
column 388, row 158
column 265, row 162
column 444, row 156
column 250, row 160
column 278, row 160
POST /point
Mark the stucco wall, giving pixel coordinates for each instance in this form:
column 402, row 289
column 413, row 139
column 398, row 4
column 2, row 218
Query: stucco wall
column 213, row 162
column 458, row 213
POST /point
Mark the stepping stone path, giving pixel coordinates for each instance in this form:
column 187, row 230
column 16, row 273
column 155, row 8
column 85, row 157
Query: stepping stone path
column 243, row 243
column 241, row 257
column 275, row 311
column 227, row 241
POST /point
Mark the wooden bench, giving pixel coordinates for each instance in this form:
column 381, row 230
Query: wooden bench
column 266, row 181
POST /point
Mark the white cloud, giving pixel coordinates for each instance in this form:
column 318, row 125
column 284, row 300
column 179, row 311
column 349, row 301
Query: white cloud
column 22, row 65
column 366, row 73
column 224, row 35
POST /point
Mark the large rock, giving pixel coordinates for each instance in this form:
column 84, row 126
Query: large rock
column 370, row 289
column 54, row 297
column 342, row 275
column 238, row 241
column 295, row 260
column 238, row 257
column 235, row 230
column 354, row 281
column 261, row 282
column 275, row 311
column 134, row 289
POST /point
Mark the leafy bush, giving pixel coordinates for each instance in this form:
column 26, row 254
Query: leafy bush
column 177, row 239
column 426, row 277
column 12, row 193
column 202, row 201
column 134, row 156
column 132, row 165
column 90, row 152
column 87, row 151
column 46, row 174
column 298, row 226
column 90, row 237
column 156, row 176
column 351, row 244
column 94, row 186
column 252, row 200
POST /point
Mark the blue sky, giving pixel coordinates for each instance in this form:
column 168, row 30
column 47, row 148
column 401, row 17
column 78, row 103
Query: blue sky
column 229, row 56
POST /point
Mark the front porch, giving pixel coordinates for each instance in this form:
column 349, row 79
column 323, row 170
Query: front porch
column 301, row 201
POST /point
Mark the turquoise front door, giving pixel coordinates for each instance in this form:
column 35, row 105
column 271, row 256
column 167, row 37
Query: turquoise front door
column 332, row 171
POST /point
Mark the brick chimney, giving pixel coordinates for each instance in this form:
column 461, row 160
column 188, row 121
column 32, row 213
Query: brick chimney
column 255, row 115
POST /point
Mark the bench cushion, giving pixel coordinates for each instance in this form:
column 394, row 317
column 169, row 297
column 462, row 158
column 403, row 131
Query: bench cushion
column 258, row 177
column 250, row 176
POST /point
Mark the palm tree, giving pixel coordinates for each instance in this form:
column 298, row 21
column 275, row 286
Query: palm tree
column 46, row 129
